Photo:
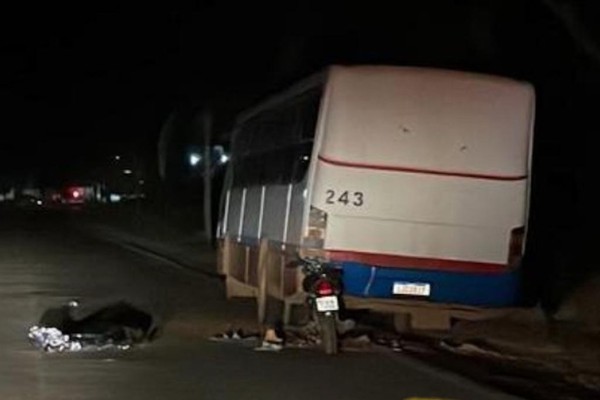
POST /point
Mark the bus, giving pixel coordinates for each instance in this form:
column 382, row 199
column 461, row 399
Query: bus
column 415, row 181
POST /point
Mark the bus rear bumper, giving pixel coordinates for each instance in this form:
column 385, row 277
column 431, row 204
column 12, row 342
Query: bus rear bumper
column 498, row 289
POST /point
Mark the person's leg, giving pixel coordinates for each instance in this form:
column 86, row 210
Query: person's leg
column 273, row 326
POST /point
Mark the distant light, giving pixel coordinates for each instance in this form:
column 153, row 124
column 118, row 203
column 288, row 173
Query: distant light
column 39, row 202
column 114, row 198
column 305, row 158
column 76, row 194
column 224, row 158
column 141, row 182
column 195, row 158
column 127, row 171
column 117, row 157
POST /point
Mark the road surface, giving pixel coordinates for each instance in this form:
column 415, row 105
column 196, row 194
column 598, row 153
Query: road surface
column 45, row 260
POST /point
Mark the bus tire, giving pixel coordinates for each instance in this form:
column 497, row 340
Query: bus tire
column 402, row 323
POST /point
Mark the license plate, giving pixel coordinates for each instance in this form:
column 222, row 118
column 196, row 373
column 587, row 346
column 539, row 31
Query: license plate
column 412, row 288
column 327, row 303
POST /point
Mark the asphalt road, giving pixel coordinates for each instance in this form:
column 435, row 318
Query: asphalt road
column 45, row 261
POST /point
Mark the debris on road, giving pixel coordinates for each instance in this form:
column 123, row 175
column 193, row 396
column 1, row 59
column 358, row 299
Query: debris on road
column 299, row 337
column 234, row 336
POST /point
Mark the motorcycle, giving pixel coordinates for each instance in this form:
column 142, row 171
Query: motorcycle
column 322, row 284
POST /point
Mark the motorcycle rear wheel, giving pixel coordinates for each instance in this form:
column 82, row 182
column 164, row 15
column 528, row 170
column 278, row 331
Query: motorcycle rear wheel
column 329, row 337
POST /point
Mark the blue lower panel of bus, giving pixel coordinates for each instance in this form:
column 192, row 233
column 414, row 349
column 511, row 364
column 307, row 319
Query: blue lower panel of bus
column 475, row 289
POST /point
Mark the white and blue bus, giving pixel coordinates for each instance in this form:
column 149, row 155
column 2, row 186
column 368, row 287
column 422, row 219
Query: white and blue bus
column 414, row 180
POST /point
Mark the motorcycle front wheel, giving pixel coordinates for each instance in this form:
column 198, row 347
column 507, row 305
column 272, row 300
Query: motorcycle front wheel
column 329, row 337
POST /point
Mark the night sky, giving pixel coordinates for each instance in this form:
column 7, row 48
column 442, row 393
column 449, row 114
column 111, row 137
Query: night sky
column 80, row 83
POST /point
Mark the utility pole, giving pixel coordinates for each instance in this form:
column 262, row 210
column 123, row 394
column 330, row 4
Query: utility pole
column 207, row 127
column 163, row 147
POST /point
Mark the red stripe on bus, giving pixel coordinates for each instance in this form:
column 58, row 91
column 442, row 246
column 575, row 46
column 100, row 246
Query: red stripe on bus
column 420, row 171
column 388, row 260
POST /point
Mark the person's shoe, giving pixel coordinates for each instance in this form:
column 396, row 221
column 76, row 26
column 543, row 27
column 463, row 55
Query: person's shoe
column 269, row 345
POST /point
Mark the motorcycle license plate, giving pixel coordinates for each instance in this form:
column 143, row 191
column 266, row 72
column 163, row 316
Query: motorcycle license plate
column 412, row 288
column 327, row 303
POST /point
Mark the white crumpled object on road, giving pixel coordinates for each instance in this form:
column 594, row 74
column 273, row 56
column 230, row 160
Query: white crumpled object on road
column 52, row 340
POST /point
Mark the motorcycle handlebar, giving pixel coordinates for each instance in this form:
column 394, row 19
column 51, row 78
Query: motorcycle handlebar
column 309, row 263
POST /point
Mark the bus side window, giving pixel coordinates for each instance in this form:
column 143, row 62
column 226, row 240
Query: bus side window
column 275, row 169
column 274, row 147
column 309, row 113
column 253, row 171
column 239, row 175
column 301, row 159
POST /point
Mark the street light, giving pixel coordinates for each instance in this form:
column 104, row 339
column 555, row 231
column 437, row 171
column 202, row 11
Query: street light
column 194, row 159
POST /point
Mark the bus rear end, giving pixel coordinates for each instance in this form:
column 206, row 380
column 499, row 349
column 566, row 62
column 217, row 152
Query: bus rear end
column 419, row 184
